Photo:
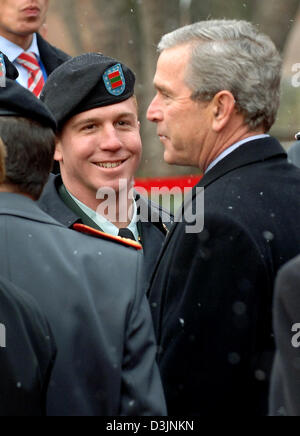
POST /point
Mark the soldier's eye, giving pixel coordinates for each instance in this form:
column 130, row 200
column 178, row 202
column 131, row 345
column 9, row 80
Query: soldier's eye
column 123, row 123
column 89, row 127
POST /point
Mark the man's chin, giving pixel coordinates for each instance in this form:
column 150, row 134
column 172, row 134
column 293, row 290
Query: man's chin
column 170, row 159
column 29, row 27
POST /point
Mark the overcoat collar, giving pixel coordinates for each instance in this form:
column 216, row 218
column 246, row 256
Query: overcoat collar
column 252, row 152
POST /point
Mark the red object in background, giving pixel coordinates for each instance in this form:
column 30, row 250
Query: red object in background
column 168, row 182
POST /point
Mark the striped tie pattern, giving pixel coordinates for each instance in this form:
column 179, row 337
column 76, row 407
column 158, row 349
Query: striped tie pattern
column 36, row 79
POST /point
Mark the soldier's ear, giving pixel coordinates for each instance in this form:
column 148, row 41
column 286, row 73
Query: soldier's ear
column 223, row 107
column 58, row 155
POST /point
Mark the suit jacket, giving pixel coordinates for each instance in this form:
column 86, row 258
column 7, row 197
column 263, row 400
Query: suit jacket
column 51, row 56
column 152, row 233
column 211, row 294
column 27, row 353
column 285, row 386
column 90, row 292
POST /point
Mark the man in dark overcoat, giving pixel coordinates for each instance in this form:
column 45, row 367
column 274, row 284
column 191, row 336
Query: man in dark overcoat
column 218, row 87
column 88, row 288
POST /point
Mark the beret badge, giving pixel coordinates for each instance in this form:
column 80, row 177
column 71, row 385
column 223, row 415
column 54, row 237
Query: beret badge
column 114, row 80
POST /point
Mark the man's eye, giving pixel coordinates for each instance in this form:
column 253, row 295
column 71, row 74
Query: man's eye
column 123, row 123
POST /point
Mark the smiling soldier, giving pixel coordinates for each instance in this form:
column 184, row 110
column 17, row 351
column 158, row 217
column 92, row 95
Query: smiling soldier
column 99, row 147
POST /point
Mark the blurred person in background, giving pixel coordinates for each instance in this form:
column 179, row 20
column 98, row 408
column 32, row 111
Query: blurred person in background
column 218, row 89
column 34, row 58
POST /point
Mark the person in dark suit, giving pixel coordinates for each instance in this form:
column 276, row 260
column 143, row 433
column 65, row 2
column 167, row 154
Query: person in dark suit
column 217, row 97
column 88, row 288
column 33, row 57
column 99, row 150
column 285, row 386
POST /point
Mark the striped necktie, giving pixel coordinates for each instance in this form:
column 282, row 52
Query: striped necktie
column 36, row 79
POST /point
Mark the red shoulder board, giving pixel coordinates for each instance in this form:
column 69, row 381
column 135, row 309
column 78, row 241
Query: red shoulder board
column 93, row 232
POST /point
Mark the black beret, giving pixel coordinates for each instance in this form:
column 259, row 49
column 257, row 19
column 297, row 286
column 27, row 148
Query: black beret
column 11, row 71
column 15, row 100
column 86, row 82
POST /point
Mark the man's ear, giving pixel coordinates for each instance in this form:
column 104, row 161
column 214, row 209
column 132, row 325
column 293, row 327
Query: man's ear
column 223, row 109
column 58, row 155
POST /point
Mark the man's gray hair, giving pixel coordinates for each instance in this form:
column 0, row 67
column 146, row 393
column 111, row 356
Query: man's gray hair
column 232, row 55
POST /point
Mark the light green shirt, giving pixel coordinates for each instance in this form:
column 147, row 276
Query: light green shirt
column 103, row 223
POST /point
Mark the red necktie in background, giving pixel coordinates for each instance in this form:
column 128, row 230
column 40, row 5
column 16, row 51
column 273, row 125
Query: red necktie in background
column 36, row 79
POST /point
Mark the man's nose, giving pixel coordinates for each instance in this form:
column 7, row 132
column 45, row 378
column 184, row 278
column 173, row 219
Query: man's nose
column 110, row 140
column 154, row 113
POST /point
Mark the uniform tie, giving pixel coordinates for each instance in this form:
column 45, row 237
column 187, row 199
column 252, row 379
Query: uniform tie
column 36, row 79
column 126, row 233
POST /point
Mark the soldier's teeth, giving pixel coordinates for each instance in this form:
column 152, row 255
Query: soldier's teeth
column 109, row 164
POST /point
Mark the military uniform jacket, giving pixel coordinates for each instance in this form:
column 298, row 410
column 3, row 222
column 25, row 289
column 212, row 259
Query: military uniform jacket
column 90, row 292
column 27, row 353
column 211, row 295
column 152, row 233
column 285, row 387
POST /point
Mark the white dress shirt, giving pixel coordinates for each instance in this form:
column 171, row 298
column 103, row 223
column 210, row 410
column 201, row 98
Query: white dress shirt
column 233, row 147
column 13, row 51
